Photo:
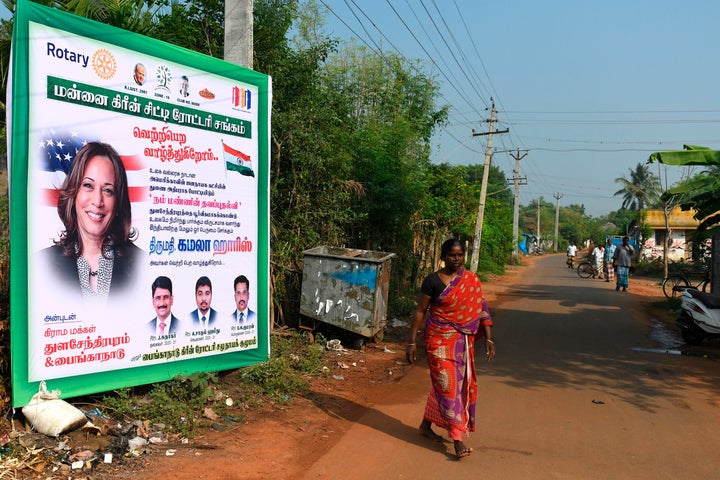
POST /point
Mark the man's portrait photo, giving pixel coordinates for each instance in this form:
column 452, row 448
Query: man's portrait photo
column 184, row 86
column 139, row 73
column 242, row 314
column 165, row 323
column 204, row 315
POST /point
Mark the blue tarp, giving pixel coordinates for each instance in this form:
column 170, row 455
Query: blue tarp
column 526, row 242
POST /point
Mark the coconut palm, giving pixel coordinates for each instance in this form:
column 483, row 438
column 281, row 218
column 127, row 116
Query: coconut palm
column 642, row 188
column 701, row 192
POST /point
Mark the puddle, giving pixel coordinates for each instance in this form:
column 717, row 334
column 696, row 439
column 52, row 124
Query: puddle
column 671, row 343
column 672, row 351
column 666, row 338
column 659, row 350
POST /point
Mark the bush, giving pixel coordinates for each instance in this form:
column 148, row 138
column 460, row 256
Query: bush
column 174, row 403
column 294, row 356
column 649, row 267
column 179, row 403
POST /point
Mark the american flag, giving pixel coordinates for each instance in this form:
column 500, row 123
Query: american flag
column 58, row 150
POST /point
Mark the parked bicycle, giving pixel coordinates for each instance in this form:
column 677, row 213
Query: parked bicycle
column 675, row 283
column 586, row 268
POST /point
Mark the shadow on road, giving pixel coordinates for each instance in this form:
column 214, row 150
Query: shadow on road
column 348, row 410
column 553, row 329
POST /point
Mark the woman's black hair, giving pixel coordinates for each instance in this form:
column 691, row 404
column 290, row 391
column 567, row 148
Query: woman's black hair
column 450, row 243
column 119, row 230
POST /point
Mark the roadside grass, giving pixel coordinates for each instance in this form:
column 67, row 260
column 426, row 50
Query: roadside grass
column 294, row 358
column 182, row 404
column 670, row 304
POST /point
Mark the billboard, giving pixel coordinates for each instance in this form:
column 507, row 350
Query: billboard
column 139, row 208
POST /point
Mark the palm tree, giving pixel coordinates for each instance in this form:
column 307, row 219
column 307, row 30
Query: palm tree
column 134, row 15
column 640, row 190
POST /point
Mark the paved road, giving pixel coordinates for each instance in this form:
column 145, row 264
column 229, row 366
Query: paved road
column 570, row 396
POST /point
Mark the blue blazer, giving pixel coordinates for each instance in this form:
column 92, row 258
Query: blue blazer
column 174, row 325
column 250, row 316
column 195, row 316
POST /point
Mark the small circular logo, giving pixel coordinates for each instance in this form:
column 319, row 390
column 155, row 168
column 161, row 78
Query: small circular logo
column 104, row 64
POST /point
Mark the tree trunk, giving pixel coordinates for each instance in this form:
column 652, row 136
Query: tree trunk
column 666, row 240
column 715, row 266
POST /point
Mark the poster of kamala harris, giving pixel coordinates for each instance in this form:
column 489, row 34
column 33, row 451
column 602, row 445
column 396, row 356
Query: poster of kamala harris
column 143, row 169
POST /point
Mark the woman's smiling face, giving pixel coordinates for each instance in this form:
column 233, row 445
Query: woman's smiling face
column 95, row 199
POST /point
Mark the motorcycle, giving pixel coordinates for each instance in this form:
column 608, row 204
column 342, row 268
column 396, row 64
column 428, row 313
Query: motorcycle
column 699, row 317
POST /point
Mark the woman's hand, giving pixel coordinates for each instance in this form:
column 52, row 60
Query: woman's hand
column 489, row 349
column 411, row 352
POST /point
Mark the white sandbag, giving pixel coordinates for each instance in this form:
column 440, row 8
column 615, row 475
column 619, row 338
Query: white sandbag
column 51, row 416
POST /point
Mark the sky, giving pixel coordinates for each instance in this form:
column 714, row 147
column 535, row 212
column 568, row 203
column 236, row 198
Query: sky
column 587, row 89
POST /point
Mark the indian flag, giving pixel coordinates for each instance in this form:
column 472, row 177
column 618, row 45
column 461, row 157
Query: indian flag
column 237, row 161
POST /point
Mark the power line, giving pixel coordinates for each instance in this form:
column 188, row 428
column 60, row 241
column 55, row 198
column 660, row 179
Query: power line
column 412, row 34
column 458, row 47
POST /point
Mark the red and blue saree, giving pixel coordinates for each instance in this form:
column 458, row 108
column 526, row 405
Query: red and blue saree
column 451, row 326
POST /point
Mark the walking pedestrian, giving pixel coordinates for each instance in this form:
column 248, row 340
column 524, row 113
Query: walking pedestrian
column 597, row 259
column 609, row 269
column 455, row 313
column 571, row 253
column 623, row 255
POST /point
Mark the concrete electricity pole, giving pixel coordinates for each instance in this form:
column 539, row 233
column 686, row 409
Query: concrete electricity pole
column 557, row 196
column 239, row 32
column 517, row 181
column 537, row 233
column 483, row 188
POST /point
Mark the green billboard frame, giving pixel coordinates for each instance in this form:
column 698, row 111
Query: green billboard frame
column 20, row 124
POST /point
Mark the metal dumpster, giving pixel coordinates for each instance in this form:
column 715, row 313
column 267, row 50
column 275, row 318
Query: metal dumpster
column 347, row 288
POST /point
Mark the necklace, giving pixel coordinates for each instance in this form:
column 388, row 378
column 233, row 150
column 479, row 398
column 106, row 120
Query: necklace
column 93, row 274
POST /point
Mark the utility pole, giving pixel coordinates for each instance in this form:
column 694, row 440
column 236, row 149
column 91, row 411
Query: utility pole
column 517, row 181
column 557, row 196
column 239, row 32
column 483, row 188
column 537, row 233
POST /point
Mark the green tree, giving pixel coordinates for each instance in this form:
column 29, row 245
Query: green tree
column 390, row 125
column 529, row 218
column 571, row 226
column 448, row 199
column 640, row 189
column 623, row 219
column 450, row 202
column 312, row 189
column 700, row 194
column 137, row 16
column 193, row 24
column 497, row 242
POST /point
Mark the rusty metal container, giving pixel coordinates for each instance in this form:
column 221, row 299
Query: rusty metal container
column 347, row 288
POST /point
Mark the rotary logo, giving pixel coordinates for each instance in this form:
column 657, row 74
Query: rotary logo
column 104, row 64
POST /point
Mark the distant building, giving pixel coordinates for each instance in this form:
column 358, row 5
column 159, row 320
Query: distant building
column 681, row 223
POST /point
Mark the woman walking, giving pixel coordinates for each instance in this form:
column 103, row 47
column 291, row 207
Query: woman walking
column 456, row 315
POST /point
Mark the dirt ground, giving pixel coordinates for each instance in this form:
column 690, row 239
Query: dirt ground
column 282, row 441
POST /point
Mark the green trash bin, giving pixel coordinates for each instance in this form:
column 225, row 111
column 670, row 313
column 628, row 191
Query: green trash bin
column 347, row 288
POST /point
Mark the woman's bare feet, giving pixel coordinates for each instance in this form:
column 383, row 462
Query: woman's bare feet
column 427, row 432
column 461, row 450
